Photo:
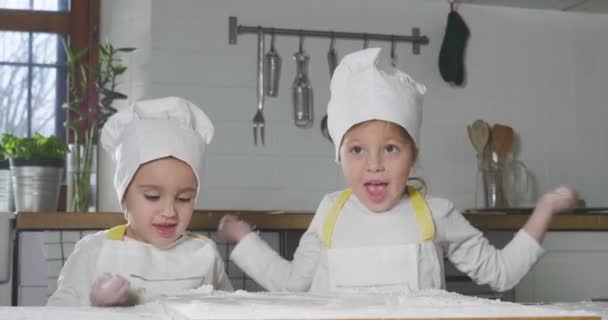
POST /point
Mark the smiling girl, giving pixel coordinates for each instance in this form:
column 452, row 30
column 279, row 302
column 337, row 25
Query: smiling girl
column 158, row 147
column 380, row 233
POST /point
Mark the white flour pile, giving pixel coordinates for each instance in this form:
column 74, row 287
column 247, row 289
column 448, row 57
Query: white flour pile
column 423, row 304
column 599, row 308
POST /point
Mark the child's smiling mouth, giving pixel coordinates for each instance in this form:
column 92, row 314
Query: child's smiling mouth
column 165, row 229
column 376, row 189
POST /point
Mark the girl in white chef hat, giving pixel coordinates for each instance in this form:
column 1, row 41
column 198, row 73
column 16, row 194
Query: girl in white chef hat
column 380, row 232
column 158, row 147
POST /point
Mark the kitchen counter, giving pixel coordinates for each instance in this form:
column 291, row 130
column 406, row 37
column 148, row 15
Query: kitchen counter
column 265, row 220
column 572, row 247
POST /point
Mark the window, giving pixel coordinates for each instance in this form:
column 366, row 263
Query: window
column 33, row 80
column 44, row 5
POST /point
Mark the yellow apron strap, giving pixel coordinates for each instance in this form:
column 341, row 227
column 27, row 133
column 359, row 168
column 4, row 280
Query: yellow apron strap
column 197, row 236
column 117, row 233
column 330, row 221
column 421, row 212
column 423, row 216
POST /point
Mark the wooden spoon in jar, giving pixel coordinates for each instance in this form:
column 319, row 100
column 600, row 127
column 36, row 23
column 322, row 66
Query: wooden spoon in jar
column 502, row 140
column 479, row 134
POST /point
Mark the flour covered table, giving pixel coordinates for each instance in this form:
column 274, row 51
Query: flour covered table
column 151, row 311
column 206, row 305
column 428, row 304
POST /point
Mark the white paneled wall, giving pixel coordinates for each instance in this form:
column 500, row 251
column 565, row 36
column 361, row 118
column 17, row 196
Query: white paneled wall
column 542, row 72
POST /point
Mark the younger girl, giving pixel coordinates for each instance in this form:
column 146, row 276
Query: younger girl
column 158, row 146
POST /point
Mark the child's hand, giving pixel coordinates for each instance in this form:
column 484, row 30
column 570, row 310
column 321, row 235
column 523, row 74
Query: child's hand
column 560, row 199
column 109, row 290
column 232, row 228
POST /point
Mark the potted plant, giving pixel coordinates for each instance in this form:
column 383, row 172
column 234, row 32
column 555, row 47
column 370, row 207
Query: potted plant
column 88, row 116
column 36, row 165
column 6, row 190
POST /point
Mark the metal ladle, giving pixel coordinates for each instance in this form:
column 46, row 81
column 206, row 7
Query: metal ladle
column 302, row 90
column 272, row 70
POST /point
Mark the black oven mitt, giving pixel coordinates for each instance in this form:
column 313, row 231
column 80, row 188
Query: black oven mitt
column 451, row 56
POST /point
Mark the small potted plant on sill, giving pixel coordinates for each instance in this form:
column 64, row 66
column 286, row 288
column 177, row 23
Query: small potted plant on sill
column 36, row 165
column 7, row 204
column 88, row 117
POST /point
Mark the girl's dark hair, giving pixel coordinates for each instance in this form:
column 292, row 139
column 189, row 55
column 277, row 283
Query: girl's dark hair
column 418, row 184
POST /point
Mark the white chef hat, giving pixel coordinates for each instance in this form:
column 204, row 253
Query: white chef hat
column 366, row 87
column 154, row 129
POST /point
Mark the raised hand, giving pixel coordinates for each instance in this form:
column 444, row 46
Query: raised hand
column 232, row 228
column 560, row 199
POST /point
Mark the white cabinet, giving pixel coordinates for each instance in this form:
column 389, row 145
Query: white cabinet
column 41, row 255
column 33, row 296
column 574, row 268
column 33, row 276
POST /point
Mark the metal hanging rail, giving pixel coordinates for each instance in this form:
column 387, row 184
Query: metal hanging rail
column 416, row 39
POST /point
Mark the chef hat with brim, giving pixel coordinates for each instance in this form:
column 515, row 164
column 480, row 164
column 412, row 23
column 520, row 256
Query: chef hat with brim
column 366, row 87
column 153, row 129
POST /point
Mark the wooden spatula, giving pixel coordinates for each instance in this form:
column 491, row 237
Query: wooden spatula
column 502, row 140
column 479, row 134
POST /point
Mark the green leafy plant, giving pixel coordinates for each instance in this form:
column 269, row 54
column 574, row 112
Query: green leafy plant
column 2, row 153
column 37, row 146
column 87, row 117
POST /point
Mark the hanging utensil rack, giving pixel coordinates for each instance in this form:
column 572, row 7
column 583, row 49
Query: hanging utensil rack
column 416, row 39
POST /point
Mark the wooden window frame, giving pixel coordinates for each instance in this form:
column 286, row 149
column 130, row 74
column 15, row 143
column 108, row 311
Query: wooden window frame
column 80, row 24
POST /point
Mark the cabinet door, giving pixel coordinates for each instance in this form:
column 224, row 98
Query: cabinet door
column 33, row 276
column 573, row 269
column 33, row 296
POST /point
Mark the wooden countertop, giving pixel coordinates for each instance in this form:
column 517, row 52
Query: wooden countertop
column 208, row 219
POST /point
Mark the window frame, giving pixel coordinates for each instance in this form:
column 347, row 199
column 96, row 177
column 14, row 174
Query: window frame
column 80, row 25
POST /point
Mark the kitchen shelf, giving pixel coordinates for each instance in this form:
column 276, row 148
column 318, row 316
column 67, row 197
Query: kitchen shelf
column 266, row 220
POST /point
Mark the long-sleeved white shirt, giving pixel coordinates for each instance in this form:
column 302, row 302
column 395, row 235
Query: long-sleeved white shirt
column 357, row 226
column 189, row 263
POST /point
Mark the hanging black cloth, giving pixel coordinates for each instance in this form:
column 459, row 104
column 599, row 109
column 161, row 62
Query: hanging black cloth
column 451, row 56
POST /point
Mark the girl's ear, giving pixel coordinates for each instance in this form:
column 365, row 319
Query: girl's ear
column 125, row 210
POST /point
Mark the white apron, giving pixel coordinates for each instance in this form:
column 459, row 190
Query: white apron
column 152, row 272
column 387, row 266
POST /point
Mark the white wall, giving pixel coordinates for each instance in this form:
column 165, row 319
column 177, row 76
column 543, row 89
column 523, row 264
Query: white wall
column 124, row 24
column 541, row 72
